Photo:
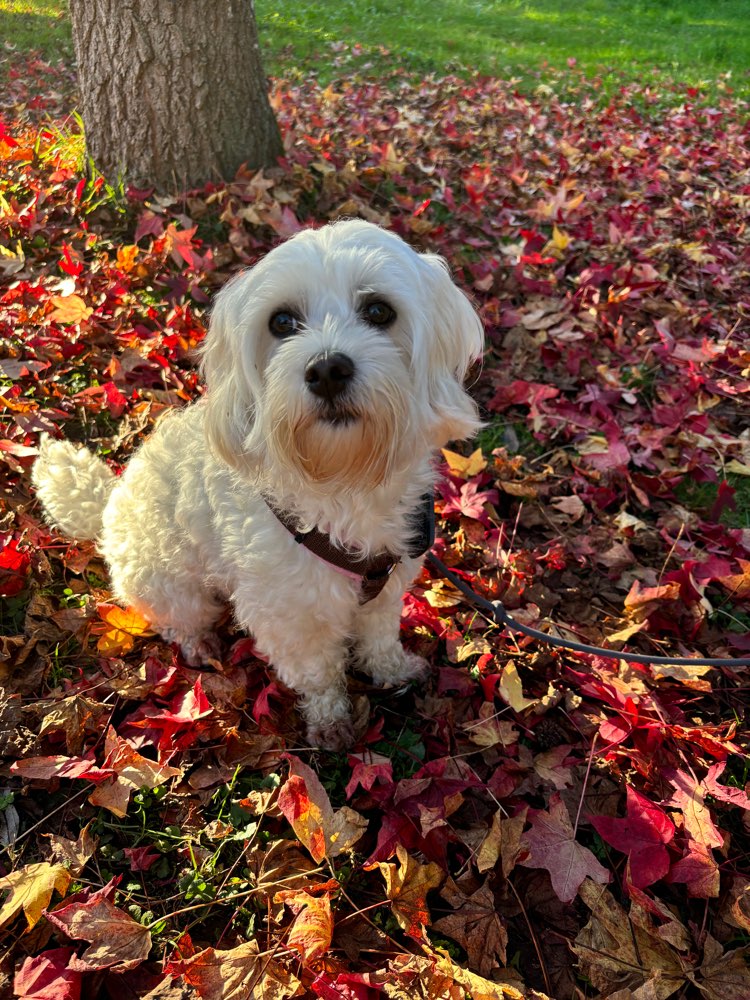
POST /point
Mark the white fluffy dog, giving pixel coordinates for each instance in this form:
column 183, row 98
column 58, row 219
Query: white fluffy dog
column 334, row 371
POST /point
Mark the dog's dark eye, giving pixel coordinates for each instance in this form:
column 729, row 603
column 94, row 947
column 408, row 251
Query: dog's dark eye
column 378, row 313
column 283, row 323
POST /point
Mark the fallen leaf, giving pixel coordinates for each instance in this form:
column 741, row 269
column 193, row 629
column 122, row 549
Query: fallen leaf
column 31, row 890
column 132, row 771
column 489, row 729
column 121, row 627
column 69, row 309
column 48, row 977
column 74, row 716
column 616, row 954
column 476, row 925
column 642, row 835
column 236, row 973
column 407, row 883
column 510, row 690
column 304, row 802
column 503, row 842
column 462, row 467
column 312, row 930
column 74, row 853
column 552, row 845
column 116, row 941
column 723, row 975
column 689, row 797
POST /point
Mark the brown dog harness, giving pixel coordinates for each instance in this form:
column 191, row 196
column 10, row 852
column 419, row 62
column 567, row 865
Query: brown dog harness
column 373, row 572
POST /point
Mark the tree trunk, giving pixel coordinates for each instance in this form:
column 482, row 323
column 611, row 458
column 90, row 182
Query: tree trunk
column 173, row 92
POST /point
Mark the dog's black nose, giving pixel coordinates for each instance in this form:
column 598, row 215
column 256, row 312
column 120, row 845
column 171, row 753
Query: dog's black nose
column 327, row 375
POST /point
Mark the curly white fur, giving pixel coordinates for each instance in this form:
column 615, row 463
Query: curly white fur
column 186, row 527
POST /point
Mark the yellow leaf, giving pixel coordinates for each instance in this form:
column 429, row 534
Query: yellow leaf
column 623, row 634
column 465, row 467
column 488, row 729
column 737, row 467
column 477, row 987
column 502, row 843
column 406, row 885
column 697, row 252
column 31, row 889
column 69, row 309
column 121, row 626
column 442, row 595
column 559, row 239
column 510, row 689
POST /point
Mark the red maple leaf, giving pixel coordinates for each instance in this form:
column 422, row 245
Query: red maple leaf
column 368, row 768
column 641, row 835
column 48, row 977
column 14, row 566
column 552, row 845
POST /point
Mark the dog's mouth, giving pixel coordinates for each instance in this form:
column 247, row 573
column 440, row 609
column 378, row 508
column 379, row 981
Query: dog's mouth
column 337, row 415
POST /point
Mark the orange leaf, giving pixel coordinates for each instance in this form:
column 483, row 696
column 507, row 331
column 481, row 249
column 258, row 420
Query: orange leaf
column 304, row 802
column 133, row 772
column 124, row 625
column 69, row 309
column 239, row 972
column 126, row 257
column 312, row 930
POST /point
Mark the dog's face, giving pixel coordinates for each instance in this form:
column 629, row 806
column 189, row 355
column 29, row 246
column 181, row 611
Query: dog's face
column 339, row 357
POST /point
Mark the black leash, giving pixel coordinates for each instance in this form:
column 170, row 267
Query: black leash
column 498, row 614
column 375, row 571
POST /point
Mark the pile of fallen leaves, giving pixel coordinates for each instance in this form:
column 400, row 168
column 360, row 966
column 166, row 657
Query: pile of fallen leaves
column 529, row 820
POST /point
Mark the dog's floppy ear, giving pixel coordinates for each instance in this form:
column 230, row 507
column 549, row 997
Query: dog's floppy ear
column 455, row 341
column 227, row 365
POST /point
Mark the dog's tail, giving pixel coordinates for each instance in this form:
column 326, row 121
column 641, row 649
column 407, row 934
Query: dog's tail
column 73, row 486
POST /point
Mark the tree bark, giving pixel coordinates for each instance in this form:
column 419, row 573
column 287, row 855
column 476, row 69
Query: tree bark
column 173, row 91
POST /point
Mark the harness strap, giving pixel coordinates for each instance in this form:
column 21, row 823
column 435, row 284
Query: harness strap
column 373, row 571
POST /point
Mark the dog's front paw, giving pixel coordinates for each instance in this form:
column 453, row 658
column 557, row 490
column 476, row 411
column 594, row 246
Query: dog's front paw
column 197, row 650
column 329, row 719
column 391, row 671
column 338, row 735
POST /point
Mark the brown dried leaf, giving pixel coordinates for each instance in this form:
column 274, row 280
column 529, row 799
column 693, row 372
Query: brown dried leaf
column 74, row 716
column 116, row 940
column 238, row 972
column 476, row 925
column 615, row 953
column 723, row 976
column 503, row 842
column 74, row 853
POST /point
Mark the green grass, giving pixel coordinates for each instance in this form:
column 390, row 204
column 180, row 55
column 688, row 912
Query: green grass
column 701, row 497
column 691, row 40
column 36, row 26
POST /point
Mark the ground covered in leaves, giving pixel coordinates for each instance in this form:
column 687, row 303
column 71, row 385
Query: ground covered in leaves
column 528, row 823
